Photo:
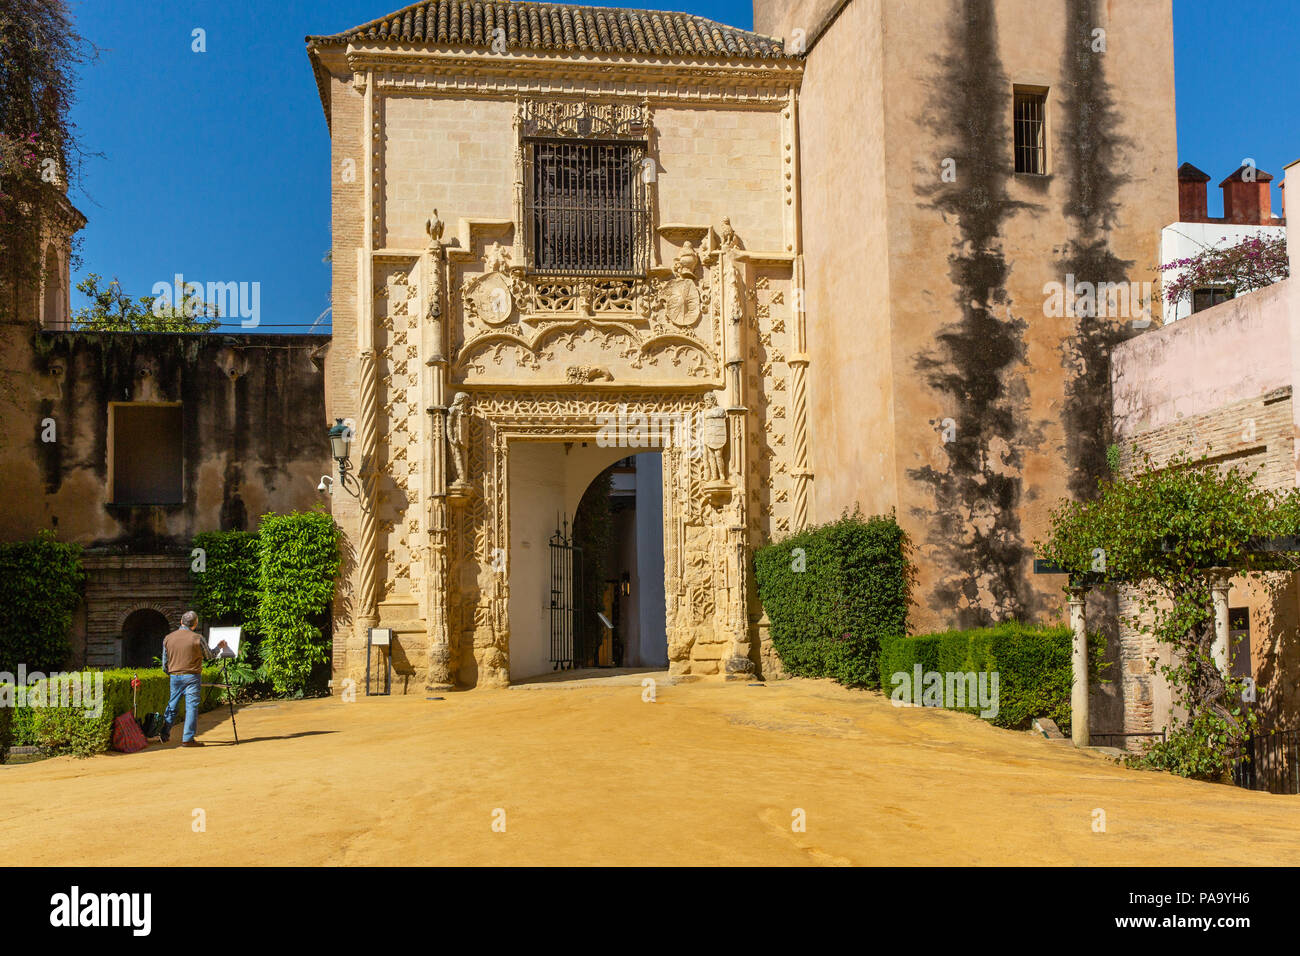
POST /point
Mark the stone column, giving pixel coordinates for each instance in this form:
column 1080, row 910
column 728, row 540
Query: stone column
column 1220, row 581
column 1079, row 690
column 737, row 665
column 438, row 674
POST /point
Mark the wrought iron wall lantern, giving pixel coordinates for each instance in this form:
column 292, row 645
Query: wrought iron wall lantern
column 340, row 437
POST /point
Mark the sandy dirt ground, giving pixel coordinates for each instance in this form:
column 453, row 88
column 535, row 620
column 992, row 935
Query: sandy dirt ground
column 589, row 773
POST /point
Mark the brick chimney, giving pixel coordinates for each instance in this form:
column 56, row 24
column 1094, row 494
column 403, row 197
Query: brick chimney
column 1246, row 197
column 1192, row 205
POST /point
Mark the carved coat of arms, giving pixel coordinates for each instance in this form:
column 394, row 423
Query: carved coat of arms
column 681, row 298
column 491, row 299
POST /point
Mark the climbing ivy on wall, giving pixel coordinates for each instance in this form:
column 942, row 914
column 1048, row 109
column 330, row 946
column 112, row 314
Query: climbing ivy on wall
column 40, row 584
column 298, row 564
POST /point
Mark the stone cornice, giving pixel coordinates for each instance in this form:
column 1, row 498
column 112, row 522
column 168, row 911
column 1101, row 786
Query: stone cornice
column 666, row 80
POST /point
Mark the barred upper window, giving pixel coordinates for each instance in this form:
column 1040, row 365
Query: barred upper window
column 586, row 211
column 1031, row 132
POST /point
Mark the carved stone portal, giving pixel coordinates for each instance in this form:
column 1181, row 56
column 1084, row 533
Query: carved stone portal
column 530, row 357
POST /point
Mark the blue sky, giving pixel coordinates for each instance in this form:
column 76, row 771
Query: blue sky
column 215, row 164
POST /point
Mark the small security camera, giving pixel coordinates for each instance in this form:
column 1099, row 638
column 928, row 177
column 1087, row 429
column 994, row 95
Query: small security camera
column 326, row 483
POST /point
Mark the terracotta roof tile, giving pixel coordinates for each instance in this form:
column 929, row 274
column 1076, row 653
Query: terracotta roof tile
column 541, row 26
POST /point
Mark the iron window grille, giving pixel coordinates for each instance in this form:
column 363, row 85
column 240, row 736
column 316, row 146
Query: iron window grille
column 1031, row 133
column 585, row 207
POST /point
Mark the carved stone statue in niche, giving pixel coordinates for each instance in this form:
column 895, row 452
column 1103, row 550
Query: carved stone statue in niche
column 713, row 436
column 458, row 437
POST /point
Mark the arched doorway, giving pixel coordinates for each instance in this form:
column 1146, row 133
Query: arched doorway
column 592, row 497
column 142, row 635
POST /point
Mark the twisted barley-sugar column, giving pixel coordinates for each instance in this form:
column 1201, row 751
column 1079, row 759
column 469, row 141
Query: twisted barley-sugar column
column 799, row 401
column 368, row 475
column 798, row 362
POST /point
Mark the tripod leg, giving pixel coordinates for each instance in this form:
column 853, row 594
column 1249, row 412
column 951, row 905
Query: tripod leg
column 230, row 698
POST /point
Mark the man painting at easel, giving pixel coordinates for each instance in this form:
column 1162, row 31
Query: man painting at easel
column 183, row 657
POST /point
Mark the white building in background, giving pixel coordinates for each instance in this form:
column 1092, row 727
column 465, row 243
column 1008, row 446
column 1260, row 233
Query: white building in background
column 1247, row 212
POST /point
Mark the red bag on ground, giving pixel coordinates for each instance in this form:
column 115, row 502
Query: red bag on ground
column 127, row 736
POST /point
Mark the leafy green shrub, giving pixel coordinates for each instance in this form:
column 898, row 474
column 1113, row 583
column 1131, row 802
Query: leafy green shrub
column 226, row 590
column 40, row 584
column 1033, row 665
column 70, row 730
column 299, row 562
column 832, row 592
column 1198, row 750
column 1166, row 533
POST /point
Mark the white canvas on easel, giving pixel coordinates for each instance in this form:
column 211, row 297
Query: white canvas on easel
column 228, row 634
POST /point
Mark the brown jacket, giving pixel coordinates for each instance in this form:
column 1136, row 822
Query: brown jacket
column 184, row 652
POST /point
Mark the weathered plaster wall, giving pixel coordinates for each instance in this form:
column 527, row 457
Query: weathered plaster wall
column 967, row 342
column 253, row 411
column 847, row 274
column 782, row 18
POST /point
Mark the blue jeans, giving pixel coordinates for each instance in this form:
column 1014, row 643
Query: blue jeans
column 187, row 684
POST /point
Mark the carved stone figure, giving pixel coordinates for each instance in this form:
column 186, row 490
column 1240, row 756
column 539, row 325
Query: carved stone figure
column 582, row 374
column 434, row 227
column 496, row 258
column 458, row 435
column 727, row 235
column 687, row 262
column 714, row 439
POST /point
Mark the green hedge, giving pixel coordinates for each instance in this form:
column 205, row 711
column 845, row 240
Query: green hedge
column 832, row 592
column 299, row 562
column 40, row 584
column 69, row 730
column 1033, row 666
column 226, row 589
column 278, row 584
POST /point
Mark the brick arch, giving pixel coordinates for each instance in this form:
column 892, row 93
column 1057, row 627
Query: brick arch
column 172, row 613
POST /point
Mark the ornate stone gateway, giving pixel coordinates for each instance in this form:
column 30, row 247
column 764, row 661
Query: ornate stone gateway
column 683, row 341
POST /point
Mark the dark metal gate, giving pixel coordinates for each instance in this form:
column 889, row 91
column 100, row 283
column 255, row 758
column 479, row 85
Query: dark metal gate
column 1270, row 761
column 566, row 590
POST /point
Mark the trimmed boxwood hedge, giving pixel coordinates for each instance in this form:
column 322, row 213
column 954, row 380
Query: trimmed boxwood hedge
column 831, row 592
column 1033, row 666
column 69, row 730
